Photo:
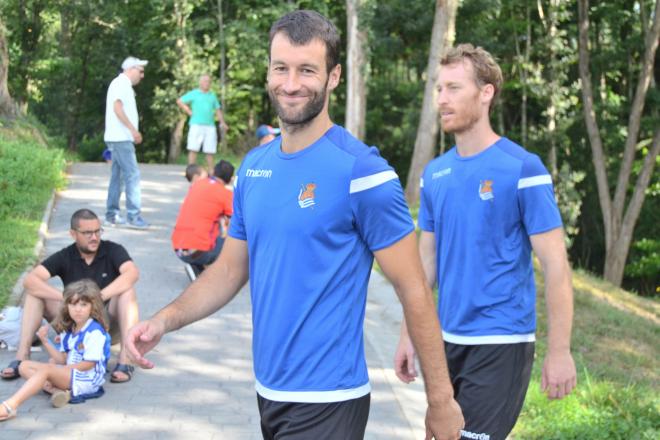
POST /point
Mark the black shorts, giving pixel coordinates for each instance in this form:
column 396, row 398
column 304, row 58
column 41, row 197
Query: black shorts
column 345, row 420
column 490, row 383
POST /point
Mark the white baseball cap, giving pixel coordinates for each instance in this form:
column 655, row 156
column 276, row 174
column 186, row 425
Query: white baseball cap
column 133, row 62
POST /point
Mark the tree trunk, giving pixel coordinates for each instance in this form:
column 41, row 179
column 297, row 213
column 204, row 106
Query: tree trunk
column 615, row 260
column 551, row 28
column 79, row 96
column 7, row 106
column 221, row 36
column 619, row 224
column 442, row 36
column 356, row 63
column 634, row 120
column 30, row 25
column 175, row 140
column 523, row 62
column 598, row 156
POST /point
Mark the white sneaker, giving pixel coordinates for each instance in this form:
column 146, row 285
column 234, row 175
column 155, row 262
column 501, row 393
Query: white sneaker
column 114, row 221
column 190, row 272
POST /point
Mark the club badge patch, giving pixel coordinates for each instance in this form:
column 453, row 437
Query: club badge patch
column 306, row 195
column 486, row 190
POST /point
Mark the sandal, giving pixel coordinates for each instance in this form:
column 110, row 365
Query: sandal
column 60, row 398
column 122, row 368
column 11, row 412
column 14, row 374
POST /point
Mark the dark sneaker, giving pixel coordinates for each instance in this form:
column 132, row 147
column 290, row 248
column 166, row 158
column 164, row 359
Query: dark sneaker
column 114, row 221
column 138, row 223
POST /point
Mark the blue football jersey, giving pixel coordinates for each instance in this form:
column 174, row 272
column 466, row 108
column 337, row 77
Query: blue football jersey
column 312, row 221
column 482, row 210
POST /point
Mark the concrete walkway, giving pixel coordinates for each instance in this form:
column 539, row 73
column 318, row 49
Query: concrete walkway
column 203, row 384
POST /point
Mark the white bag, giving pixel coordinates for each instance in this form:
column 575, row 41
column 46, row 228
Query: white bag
column 10, row 326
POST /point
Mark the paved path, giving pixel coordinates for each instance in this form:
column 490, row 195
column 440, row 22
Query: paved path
column 203, row 384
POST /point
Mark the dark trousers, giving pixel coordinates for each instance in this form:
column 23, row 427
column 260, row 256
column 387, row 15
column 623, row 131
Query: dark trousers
column 490, row 382
column 345, row 420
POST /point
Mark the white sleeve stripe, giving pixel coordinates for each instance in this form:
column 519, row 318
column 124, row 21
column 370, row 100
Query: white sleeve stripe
column 421, row 182
column 368, row 182
column 544, row 179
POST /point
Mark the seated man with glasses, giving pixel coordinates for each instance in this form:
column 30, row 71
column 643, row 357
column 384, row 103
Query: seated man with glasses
column 106, row 263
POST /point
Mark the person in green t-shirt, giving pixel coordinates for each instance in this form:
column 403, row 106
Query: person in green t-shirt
column 203, row 107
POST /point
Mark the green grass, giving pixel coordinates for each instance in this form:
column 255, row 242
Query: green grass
column 616, row 351
column 29, row 171
column 615, row 347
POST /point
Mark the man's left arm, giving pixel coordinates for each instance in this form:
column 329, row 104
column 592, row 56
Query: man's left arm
column 221, row 119
column 402, row 266
column 558, row 376
column 128, row 276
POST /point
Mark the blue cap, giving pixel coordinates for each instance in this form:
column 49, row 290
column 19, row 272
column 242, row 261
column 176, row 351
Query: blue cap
column 265, row 130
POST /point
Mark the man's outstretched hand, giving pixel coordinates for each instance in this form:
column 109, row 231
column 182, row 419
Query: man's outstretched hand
column 142, row 337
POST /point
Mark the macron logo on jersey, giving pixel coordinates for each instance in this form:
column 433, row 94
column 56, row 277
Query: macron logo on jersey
column 475, row 435
column 441, row 173
column 266, row 174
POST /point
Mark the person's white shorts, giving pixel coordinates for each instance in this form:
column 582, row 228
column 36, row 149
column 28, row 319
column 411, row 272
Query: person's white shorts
column 203, row 136
column 86, row 382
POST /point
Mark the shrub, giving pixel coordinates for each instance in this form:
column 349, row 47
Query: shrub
column 28, row 174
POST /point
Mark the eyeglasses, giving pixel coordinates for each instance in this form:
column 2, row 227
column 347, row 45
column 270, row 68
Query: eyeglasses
column 89, row 234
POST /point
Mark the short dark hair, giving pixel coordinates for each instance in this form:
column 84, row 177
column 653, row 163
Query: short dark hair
column 193, row 170
column 223, row 170
column 303, row 26
column 82, row 214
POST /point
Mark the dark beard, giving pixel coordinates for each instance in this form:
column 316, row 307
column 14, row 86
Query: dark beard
column 85, row 250
column 301, row 120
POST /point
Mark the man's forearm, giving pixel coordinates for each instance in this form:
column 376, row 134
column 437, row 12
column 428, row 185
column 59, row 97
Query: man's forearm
column 121, row 284
column 183, row 106
column 559, row 300
column 425, row 333
column 220, row 116
column 121, row 115
column 41, row 289
column 214, row 288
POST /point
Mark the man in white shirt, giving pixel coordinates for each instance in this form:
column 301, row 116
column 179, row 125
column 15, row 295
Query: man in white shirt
column 121, row 135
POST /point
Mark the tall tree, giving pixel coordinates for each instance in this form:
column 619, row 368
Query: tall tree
column 619, row 221
column 550, row 26
column 7, row 107
column 356, row 63
column 523, row 60
column 30, row 23
column 76, row 30
column 442, row 36
column 182, row 11
column 221, row 40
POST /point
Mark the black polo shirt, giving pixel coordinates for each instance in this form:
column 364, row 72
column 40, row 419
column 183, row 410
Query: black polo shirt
column 70, row 266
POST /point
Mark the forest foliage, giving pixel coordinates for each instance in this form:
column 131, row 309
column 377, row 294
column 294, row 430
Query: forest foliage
column 63, row 54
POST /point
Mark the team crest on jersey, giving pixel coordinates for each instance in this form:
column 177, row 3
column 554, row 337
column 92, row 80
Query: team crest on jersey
column 306, row 195
column 486, row 190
